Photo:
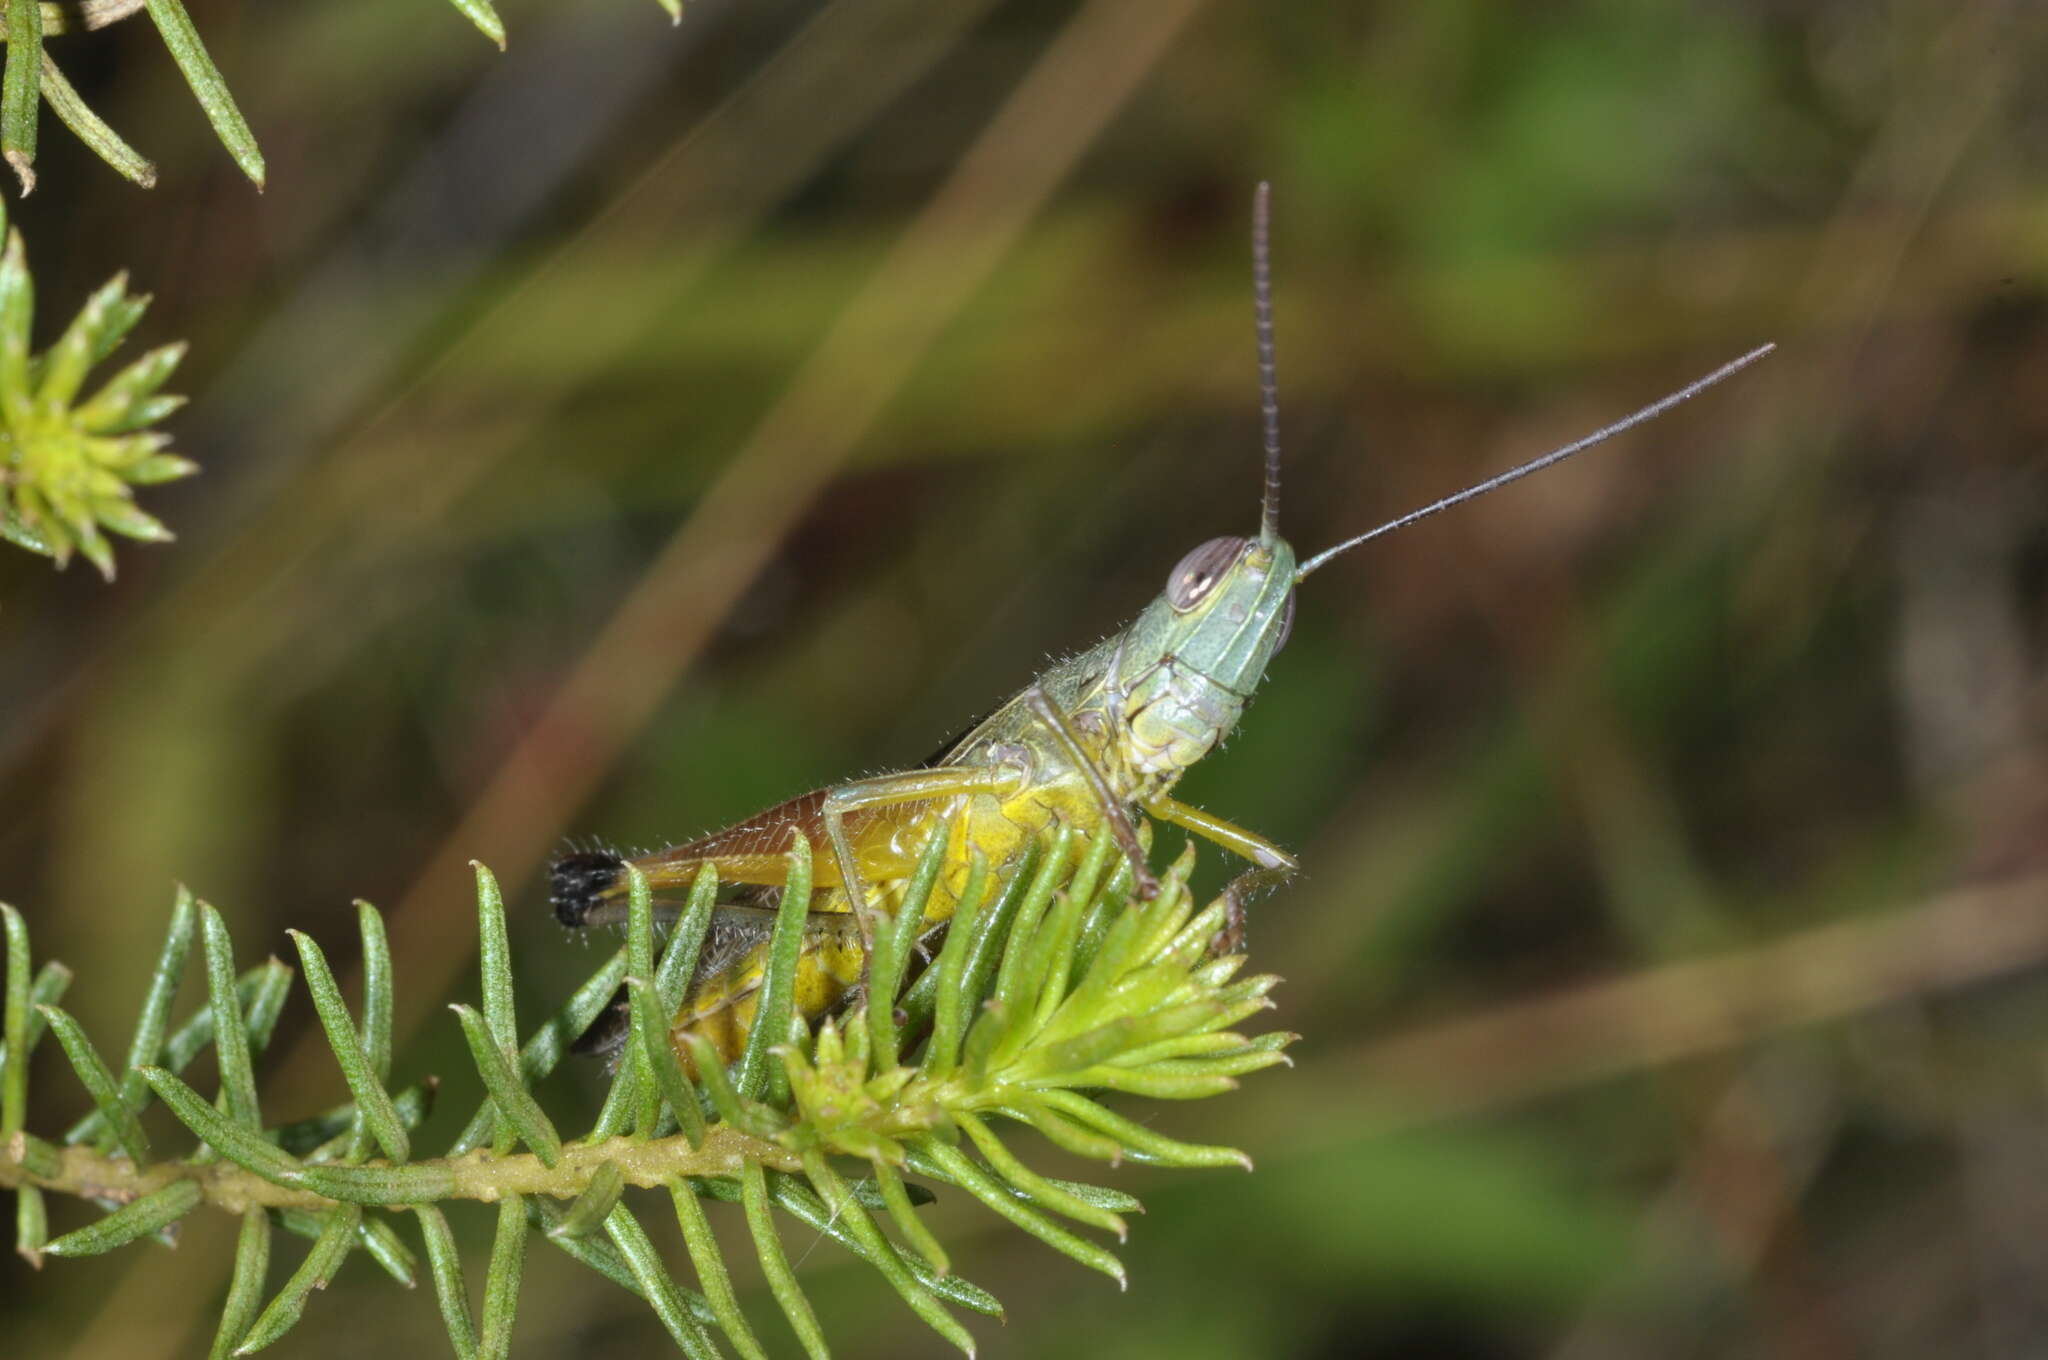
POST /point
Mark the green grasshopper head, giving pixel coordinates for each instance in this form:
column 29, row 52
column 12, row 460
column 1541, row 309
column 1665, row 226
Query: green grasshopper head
column 1226, row 610
column 1192, row 659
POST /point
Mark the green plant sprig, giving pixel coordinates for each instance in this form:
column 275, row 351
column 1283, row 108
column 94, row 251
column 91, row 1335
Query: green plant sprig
column 69, row 466
column 32, row 78
column 1053, row 993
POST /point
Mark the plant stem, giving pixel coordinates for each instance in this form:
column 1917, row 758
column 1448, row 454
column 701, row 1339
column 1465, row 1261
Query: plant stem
column 478, row 1175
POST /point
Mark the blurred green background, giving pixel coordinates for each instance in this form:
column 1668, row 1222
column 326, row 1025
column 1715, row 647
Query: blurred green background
column 616, row 435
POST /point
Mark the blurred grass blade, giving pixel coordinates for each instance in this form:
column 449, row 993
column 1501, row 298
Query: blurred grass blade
column 316, row 1137
column 266, row 1003
column 381, row 1241
column 622, row 1102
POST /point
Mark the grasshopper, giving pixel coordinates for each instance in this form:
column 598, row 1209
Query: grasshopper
column 1094, row 741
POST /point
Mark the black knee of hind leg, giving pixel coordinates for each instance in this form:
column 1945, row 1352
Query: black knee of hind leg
column 577, row 882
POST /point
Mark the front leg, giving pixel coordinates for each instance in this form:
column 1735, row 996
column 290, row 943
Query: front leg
column 1275, row 864
column 1232, row 837
column 1114, row 814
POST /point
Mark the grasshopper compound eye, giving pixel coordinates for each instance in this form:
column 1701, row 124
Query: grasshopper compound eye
column 1199, row 572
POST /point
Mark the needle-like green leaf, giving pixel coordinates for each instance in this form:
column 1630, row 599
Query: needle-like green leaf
column 139, row 1218
column 590, row 1209
column 31, row 1224
column 445, row 1263
column 904, row 1215
column 501, row 1279
column 21, row 89
column 205, row 79
column 99, row 1083
column 329, row 1250
column 709, row 1264
column 230, row 1041
column 957, row 1168
column 245, row 1286
column 14, row 1017
column 245, row 1147
column 514, row 1101
column 373, row 1102
column 1029, row 1183
column 549, row 1043
column 895, row 936
column 89, row 128
column 782, row 1282
column 661, row 1290
column 778, row 986
column 480, row 13
column 882, row 1254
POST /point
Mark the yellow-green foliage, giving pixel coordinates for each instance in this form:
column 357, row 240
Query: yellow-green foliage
column 69, row 465
column 1053, row 993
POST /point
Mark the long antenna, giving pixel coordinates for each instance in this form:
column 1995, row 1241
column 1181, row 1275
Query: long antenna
column 1650, row 412
column 1269, row 386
